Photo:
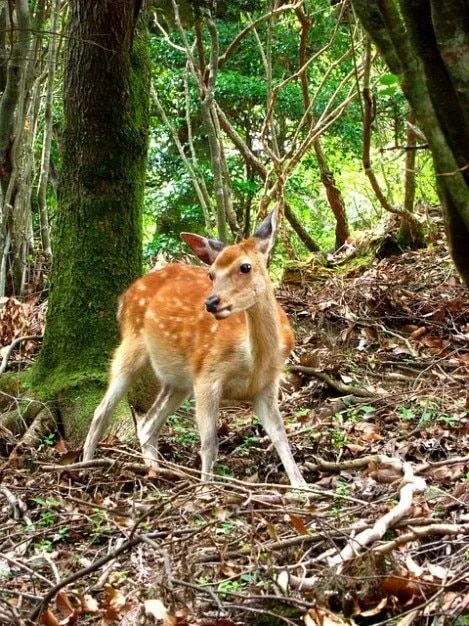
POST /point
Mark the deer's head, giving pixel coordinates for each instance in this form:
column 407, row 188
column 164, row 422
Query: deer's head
column 238, row 272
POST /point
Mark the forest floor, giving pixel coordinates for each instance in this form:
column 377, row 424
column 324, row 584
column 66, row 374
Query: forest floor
column 379, row 425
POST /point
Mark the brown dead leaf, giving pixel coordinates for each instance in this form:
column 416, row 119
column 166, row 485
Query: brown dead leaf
column 113, row 603
column 385, row 475
column 298, row 524
column 374, row 610
column 69, row 457
column 60, row 446
column 320, row 617
column 48, row 618
column 369, row 431
column 404, row 589
column 445, row 472
column 221, row 621
column 410, row 328
column 64, row 604
column 89, row 604
column 419, row 332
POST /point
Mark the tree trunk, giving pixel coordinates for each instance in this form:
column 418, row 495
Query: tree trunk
column 424, row 43
column 303, row 234
column 98, row 227
column 410, row 234
column 47, row 140
column 334, row 196
column 333, row 193
column 11, row 122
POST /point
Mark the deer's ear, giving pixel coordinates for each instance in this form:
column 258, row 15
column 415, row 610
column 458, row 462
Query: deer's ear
column 265, row 234
column 206, row 249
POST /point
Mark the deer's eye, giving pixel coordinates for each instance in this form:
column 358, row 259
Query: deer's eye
column 245, row 268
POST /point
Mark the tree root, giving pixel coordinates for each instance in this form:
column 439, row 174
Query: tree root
column 355, row 546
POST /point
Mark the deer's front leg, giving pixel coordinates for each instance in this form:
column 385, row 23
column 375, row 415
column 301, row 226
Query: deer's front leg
column 207, row 399
column 266, row 407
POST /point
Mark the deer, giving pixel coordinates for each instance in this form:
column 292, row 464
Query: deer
column 216, row 334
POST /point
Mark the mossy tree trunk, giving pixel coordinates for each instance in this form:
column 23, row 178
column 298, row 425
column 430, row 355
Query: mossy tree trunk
column 426, row 43
column 97, row 232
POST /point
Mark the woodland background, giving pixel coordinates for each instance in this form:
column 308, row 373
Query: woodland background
column 123, row 124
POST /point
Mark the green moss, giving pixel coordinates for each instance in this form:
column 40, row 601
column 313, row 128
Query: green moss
column 77, row 405
column 98, row 228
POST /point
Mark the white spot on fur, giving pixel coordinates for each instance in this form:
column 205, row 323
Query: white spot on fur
column 141, row 287
column 142, row 301
column 213, row 328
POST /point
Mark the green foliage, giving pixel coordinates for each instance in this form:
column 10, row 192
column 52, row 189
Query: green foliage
column 425, row 413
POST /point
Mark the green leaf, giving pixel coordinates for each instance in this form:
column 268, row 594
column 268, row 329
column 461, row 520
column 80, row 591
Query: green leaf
column 388, row 79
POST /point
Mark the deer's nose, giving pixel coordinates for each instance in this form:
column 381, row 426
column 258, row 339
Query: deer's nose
column 211, row 303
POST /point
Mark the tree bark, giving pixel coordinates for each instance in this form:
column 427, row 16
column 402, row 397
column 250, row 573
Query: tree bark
column 333, row 193
column 47, row 141
column 98, row 228
column 11, row 123
column 410, row 234
column 419, row 40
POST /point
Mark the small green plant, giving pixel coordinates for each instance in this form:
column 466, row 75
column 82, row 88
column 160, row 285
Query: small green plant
column 339, row 438
column 47, row 517
column 62, row 534
column 341, row 493
column 45, row 545
column 248, row 443
column 426, row 411
column 429, row 411
column 225, row 587
column 356, row 414
column 447, row 420
column 406, row 413
column 223, row 470
column 49, row 440
column 99, row 525
column 203, row 580
column 227, row 527
column 183, row 435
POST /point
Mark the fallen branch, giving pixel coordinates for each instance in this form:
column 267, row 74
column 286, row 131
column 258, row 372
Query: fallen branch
column 332, row 382
column 423, row 531
column 410, row 485
column 358, row 544
column 12, row 346
column 431, row 464
column 127, row 545
column 44, row 422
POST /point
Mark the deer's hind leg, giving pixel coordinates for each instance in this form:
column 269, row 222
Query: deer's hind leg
column 207, row 399
column 149, row 425
column 129, row 360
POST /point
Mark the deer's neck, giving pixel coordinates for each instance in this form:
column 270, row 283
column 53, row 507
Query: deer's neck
column 263, row 327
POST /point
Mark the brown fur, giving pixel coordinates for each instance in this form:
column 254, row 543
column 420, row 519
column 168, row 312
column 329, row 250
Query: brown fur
column 238, row 356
